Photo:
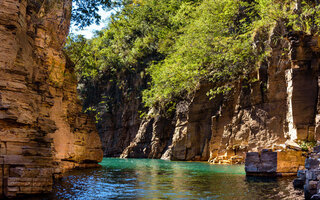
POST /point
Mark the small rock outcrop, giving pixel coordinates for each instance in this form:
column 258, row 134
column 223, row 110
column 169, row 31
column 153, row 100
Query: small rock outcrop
column 309, row 178
column 42, row 130
column 274, row 163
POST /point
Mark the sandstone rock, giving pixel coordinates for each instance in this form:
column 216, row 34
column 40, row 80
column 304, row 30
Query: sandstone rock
column 263, row 163
column 185, row 138
column 39, row 133
column 312, row 163
column 310, row 177
column 282, row 106
column 292, row 145
column 252, row 162
column 282, row 163
column 289, row 162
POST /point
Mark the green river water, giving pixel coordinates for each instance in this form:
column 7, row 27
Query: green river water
column 159, row 179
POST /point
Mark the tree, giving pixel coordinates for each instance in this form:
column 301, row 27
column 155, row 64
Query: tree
column 85, row 12
column 174, row 45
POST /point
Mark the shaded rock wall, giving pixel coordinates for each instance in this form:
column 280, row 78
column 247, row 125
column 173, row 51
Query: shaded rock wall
column 278, row 103
column 153, row 137
column 185, row 136
column 116, row 100
column 119, row 126
column 42, row 132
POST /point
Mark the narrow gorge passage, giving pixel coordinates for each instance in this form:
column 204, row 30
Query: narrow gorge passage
column 190, row 94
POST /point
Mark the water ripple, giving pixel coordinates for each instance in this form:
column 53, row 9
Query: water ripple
column 158, row 179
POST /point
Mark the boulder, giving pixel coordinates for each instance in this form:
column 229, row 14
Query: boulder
column 272, row 163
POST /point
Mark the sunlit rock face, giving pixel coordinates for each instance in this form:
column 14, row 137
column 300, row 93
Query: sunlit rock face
column 42, row 130
column 279, row 103
column 281, row 106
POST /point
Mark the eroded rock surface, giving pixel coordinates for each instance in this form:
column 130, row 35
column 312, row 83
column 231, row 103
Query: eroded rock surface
column 274, row 163
column 279, row 103
column 42, row 130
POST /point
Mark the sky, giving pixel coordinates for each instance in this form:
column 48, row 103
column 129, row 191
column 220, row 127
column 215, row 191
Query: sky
column 88, row 32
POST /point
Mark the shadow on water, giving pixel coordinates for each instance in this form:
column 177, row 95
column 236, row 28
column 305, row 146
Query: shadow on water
column 273, row 187
column 158, row 179
column 259, row 179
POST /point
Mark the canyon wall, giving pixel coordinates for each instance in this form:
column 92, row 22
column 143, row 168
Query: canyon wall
column 119, row 125
column 276, row 106
column 42, row 130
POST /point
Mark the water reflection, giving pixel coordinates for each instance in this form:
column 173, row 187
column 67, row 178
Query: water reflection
column 157, row 179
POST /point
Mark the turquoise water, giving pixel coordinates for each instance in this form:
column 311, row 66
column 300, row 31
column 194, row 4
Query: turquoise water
column 159, row 179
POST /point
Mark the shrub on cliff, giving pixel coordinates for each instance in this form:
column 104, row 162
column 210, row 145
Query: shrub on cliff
column 174, row 45
column 215, row 45
column 137, row 36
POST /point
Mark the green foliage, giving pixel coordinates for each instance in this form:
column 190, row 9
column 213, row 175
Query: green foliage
column 137, row 36
column 307, row 145
column 80, row 52
column 303, row 16
column 85, row 12
column 215, row 45
column 174, row 45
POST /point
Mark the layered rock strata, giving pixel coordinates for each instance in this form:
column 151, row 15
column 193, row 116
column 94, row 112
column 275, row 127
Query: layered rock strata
column 185, row 137
column 278, row 103
column 42, row 130
column 120, row 124
column 274, row 163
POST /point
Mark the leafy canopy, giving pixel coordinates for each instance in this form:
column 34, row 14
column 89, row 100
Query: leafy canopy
column 174, row 45
column 86, row 12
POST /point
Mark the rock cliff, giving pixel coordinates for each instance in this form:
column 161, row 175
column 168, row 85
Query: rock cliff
column 42, row 130
column 279, row 103
column 119, row 125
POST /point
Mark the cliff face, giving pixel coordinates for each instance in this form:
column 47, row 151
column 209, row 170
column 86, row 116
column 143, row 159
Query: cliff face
column 281, row 106
column 277, row 105
column 119, row 126
column 186, row 136
column 42, row 132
